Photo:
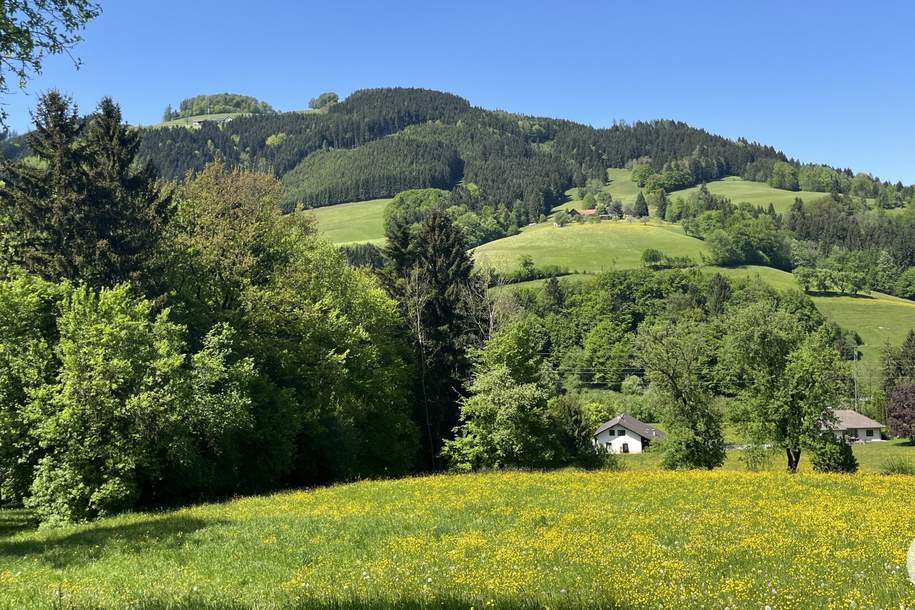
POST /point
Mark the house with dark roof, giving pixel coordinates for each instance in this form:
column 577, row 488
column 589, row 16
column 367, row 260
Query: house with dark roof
column 855, row 427
column 626, row 434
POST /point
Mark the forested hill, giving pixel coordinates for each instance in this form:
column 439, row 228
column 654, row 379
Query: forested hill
column 379, row 142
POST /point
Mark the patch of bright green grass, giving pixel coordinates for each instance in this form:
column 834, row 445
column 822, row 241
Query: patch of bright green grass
column 346, row 223
column 757, row 193
column 566, row 539
column 589, row 247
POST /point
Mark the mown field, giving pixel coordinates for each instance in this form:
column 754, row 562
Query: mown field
column 590, row 247
column 357, row 222
column 636, row 539
column 757, row 193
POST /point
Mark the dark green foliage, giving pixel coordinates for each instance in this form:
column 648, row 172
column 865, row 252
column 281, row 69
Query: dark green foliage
column 430, row 274
column 899, row 364
column 900, row 411
column 376, row 170
column 363, row 255
column 831, row 455
column 82, row 211
column 641, row 206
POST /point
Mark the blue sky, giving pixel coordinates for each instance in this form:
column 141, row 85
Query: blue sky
column 831, row 82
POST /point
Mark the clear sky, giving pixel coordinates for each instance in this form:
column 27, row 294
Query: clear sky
column 830, row 82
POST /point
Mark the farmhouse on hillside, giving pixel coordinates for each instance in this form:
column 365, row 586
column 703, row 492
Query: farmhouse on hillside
column 625, row 434
column 855, row 427
column 585, row 213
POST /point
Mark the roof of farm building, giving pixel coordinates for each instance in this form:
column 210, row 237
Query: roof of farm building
column 630, row 423
column 846, row 419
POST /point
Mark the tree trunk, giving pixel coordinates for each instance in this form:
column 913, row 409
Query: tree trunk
column 794, row 456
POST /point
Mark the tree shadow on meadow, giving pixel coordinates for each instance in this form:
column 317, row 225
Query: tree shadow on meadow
column 16, row 520
column 90, row 544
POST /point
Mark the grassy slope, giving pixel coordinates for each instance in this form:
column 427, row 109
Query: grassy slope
column 361, row 221
column 757, row 193
column 635, row 539
column 590, row 246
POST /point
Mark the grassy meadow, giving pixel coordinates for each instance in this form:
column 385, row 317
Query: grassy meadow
column 589, row 247
column 758, row 193
column 636, row 539
column 357, row 222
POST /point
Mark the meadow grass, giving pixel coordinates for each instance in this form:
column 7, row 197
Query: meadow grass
column 757, row 193
column 619, row 184
column 634, row 539
column 357, row 222
column 589, row 247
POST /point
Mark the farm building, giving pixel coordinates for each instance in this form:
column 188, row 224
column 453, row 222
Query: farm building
column 856, row 427
column 625, row 434
column 583, row 213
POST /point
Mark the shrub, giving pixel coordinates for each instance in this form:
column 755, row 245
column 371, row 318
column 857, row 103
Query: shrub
column 830, row 455
column 897, row 465
column 757, row 457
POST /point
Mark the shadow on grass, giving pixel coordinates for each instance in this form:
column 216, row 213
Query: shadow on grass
column 88, row 545
column 16, row 520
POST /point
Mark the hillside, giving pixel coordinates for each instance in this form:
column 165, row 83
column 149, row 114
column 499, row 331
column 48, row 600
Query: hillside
column 616, row 540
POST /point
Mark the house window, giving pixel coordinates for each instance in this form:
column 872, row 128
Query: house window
column 870, row 432
column 621, row 433
column 625, row 447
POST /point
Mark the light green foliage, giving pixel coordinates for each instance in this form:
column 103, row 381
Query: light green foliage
column 410, row 207
column 126, row 406
column 504, row 423
column 221, row 103
column 677, row 360
column 276, row 139
column 784, row 176
column 28, row 330
column 607, row 349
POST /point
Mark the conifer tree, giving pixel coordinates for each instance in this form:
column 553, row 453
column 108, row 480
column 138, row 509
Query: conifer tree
column 661, row 207
column 43, row 200
column 641, row 206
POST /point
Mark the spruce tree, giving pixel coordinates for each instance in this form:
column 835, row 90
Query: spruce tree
column 430, row 274
column 81, row 212
column 641, row 206
column 43, row 200
column 128, row 212
column 661, row 207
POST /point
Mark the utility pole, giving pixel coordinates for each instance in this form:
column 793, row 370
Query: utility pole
column 856, row 377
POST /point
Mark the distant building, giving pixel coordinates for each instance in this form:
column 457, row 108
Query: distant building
column 855, row 427
column 582, row 213
column 626, row 434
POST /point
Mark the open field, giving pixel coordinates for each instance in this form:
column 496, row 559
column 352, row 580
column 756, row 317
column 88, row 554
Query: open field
column 636, row 539
column 188, row 121
column 346, row 223
column 589, row 247
column 757, row 193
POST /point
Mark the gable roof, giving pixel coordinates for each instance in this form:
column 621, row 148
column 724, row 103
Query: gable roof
column 846, row 418
column 630, row 423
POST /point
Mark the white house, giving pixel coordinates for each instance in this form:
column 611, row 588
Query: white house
column 855, row 427
column 625, row 434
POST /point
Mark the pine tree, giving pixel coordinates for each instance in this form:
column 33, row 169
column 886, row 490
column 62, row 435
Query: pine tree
column 641, row 206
